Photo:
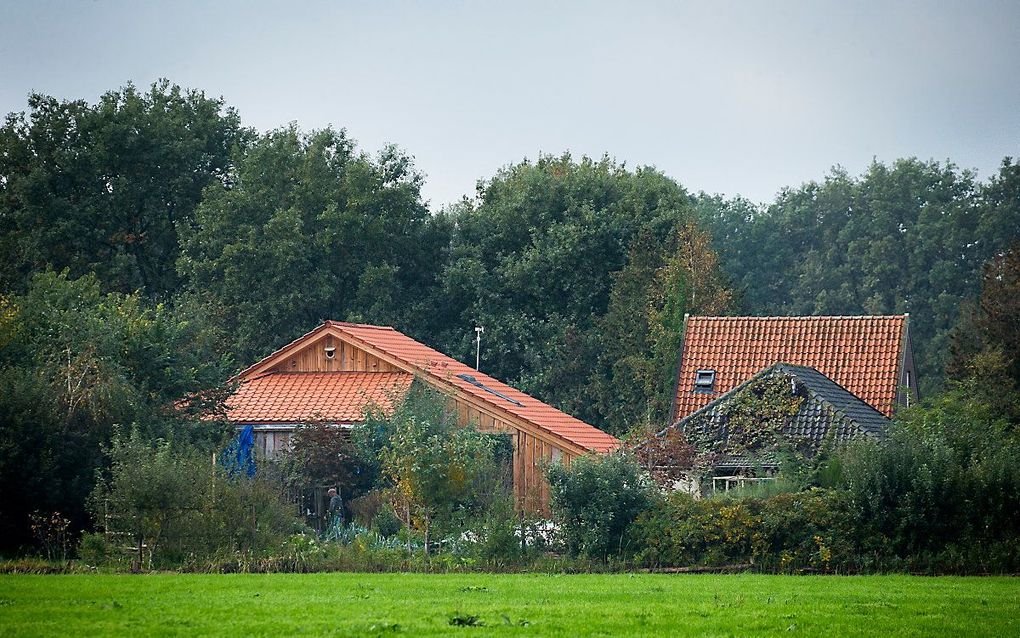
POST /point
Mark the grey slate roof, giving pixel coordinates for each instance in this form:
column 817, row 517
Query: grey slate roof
column 829, row 410
column 868, row 419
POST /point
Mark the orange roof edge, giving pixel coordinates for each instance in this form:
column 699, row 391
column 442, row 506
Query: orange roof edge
column 416, row 357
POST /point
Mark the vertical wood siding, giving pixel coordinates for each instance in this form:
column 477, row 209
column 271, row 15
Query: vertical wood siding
column 346, row 358
column 531, row 451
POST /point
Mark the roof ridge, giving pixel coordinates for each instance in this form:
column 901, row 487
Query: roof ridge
column 812, row 317
column 351, row 324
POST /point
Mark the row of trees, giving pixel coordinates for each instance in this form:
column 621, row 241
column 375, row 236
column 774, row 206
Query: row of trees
column 153, row 244
column 908, row 237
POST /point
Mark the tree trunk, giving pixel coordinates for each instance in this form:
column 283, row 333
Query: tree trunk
column 428, row 528
column 407, row 514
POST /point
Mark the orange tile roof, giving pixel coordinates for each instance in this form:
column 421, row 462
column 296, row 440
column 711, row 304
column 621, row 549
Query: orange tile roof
column 302, row 397
column 417, row 358
column 439, row 366
column 862, row 354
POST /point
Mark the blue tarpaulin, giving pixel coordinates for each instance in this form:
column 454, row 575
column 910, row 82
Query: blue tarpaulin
column 239, row 456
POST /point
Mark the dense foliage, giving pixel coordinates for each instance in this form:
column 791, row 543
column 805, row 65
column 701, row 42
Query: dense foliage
column 594, row 500
column 939, row 496
column 172, row 505
column 310, row 228
column 74, row 361
column 153, row 245
column 104, row 188
column 581, row 273
column 910, row 237
column 435, row 473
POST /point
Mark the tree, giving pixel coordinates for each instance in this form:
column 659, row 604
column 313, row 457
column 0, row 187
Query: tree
column 642, row 329
column 74, row 361
column 149, row 491
column 324, row 454
column 594, row 500
column 311, row 229
column 907, row 237
column 436, row 471
column 537, row 259
column 986, row 341
column 103, row 188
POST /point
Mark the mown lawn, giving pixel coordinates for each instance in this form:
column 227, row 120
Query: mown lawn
column 523, row 605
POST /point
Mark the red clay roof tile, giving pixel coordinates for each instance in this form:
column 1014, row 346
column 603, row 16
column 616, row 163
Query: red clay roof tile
column 862, row 354
column 415, row 358
column 302, row 397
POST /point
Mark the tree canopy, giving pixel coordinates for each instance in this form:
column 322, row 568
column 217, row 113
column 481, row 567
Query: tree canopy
column 153, row 245
column 102, row 188
column 907, row 237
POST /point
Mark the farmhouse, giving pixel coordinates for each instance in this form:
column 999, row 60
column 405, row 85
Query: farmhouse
column 869, row 356
column 748, row 387
column 333, row 373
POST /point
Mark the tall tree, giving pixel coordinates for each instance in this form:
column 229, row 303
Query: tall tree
column 986, row 340
column 537, row 260
column 909, row 237
column 312, row 229
column 101, row 188
column 75, row 361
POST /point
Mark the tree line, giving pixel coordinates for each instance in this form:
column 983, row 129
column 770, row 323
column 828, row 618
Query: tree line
column 153, row 244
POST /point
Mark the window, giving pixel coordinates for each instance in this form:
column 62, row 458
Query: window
column 704, row 381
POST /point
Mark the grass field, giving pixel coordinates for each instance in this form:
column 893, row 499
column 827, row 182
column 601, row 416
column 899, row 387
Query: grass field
column 522, row 605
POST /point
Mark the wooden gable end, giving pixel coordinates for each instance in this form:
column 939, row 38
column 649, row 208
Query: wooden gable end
column 330, row 353
column 326, row 350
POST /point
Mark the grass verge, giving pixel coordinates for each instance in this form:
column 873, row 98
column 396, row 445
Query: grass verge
column 501, row 604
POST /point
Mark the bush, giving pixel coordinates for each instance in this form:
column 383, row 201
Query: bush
column 175, row 506
column 499, row 541
column 386, row 523
column 94, row 549
column 594, row 499
column 788, row 532
column 946, row 481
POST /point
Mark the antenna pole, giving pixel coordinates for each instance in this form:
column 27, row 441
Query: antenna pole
column 478, row 346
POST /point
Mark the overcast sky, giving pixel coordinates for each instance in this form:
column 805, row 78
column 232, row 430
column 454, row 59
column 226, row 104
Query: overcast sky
column 736, row 98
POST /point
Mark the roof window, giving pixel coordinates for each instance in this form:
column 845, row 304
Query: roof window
column 704, row 381
column 475, row 382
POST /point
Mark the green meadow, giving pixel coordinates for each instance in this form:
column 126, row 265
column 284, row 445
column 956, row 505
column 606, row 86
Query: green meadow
column 507, row 604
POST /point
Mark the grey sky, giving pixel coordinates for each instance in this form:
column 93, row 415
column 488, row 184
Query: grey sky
column 736, row 98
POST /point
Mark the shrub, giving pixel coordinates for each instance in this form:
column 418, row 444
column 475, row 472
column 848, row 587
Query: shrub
column 386, row 523
column 787, row 532
column 94, row 549
column 176, row 506
column 948, row 476
column 594, row 499
column 499, row 541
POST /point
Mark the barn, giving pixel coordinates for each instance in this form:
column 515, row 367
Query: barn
column 333, row 373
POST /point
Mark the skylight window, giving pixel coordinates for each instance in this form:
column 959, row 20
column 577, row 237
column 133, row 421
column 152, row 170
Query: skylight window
column 475, row 382
column 704, row 381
